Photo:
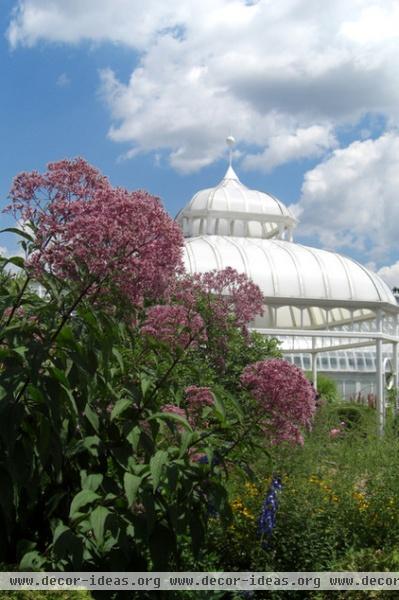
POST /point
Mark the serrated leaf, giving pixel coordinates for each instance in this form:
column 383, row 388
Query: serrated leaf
column 157, row 463
column 120, row 407
column 131, row 484
column 81, row 499
column 97, row 521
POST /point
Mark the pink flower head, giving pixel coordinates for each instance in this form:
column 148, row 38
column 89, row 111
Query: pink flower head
column 198, row 457
column 19, row 313
column 284, row 394
column 198, row 397
column 124, row 242
column 174, row 410
column 233, row 294
column 174, row 325
column 335, row 432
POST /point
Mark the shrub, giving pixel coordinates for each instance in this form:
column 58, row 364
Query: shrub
column 117, row 422
column 326, row 387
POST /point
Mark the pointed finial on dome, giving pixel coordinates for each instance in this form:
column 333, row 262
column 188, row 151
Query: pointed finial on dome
column 230, row 173
column 230, row 141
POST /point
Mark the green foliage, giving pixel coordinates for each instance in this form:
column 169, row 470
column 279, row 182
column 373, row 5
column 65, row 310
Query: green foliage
column 338, row 509
column 44, row 595
column 326, row 387
column 94, row 474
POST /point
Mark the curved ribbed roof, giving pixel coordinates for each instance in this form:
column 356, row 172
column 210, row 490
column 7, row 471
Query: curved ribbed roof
column 293, row 275
column 286, row 270
column 232, row 209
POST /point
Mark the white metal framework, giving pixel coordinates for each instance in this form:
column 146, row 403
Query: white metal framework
column 317, row 302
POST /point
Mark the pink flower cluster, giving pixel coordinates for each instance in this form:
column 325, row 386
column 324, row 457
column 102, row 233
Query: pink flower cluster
column 122, row 241
column 198, row 397
column 174, row 410
column 337, row 431
column 175, row 325
column 19, row 313
column 232, row 295
column 65, row 181
column 284, row 395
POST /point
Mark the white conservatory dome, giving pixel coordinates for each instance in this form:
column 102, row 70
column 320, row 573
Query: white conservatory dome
column 231, row 225
column 327, row 309
column 320, row 304
column 232, row 209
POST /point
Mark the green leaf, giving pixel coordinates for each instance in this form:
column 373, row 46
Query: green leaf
column 81, row 499
column 131, row 483
column 172, row 474
column 18, row 261
column 120, row 408
column 133, row 437
column 170, row 417
column 220, row 407
column 59, row 376
column 92, row 417
column 145, row 384
column 36, row 394
column 67, row 545
column 18, row 232
column 60, row 529
column 92, row 482
column 66, row 336
column 97, row 521
column 32, row 561
column 119, row 358
column 21, row 350
column 187, row 439
column 157, row 463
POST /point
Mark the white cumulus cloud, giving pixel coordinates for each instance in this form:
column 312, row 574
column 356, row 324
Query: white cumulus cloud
column 351, row 199
column 390, row 274
column 280, row 76
column 307, row 142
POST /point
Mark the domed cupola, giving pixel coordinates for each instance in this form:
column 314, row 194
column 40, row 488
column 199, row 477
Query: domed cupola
column 232, row 209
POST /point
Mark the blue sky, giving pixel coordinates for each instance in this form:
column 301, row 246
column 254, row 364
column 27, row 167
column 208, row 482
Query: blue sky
column 148, row 95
